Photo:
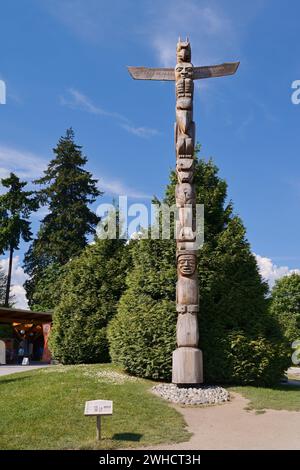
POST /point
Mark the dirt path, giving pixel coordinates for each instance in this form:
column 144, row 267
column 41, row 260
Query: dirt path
column 230, row 426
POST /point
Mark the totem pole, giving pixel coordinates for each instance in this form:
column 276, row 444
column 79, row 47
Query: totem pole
column 187, row 358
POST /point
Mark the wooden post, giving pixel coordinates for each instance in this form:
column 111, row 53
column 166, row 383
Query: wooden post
column 98, row 436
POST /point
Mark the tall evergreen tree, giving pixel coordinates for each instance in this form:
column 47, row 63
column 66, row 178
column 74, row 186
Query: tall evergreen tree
column 67, row 190
column 16, row 206
column 241, row 342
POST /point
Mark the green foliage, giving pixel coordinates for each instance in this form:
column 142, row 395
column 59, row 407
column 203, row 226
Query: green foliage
column 6, row 331
column 143, row 334
column 90, row 289
column 241, row 342
column 47, row 291
column 67, row 190
column 16, row 206
column 3, row 282
column 3, row 285
column 234, row 321
column 285, row 305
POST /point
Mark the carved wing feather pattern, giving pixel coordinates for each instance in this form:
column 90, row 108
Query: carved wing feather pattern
column 146, row 73
column 208, row 71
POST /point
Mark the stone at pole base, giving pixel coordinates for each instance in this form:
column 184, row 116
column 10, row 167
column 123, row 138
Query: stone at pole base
column 187, row 366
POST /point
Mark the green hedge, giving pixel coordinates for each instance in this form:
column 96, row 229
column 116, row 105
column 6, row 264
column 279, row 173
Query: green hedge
column 241, row 342
column 91, row 288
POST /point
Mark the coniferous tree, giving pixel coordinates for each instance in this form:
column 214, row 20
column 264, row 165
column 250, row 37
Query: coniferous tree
column 16, row 206
column 3, row 290
column 241, row 342
column 67, row 190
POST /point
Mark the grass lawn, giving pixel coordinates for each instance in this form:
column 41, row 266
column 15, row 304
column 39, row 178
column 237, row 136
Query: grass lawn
column 282, row 397
column 43, row 409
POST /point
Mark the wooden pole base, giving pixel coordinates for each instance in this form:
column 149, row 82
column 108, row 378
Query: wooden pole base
column 187, row 366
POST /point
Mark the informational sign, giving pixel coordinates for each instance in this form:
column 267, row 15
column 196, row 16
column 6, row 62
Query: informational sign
column 98, row 407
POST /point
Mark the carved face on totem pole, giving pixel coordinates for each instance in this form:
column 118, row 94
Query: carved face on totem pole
column 186, row 263
column 185, row 170
column 184, row 70
column 185, row 194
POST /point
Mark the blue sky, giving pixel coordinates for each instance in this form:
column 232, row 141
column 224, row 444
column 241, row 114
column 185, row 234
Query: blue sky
column 64, row 64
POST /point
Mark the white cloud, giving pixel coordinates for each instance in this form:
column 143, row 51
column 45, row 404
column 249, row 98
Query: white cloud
column 26, row 164
column 118, row 188
column 77, row 100
column 210, row 30
column 140, row 131
column 271, row 272
column 18, row 279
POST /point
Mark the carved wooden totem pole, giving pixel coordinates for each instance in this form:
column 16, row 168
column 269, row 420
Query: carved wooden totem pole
column 187, row 358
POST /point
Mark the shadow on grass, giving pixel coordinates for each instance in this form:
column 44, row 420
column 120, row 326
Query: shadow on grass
column 294, row 383
column 127, row 436
column 11, row 379
column 290, row 386
column 287, row 387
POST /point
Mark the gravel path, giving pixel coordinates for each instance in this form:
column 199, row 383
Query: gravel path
column 230, row 426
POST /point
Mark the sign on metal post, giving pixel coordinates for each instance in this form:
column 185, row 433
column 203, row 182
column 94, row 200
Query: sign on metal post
column 98, row 408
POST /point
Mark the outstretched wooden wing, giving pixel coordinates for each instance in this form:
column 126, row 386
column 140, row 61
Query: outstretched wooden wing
column 208, row 71
column 145, row 73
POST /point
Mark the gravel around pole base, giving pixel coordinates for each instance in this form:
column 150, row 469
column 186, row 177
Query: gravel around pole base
column 192, row 395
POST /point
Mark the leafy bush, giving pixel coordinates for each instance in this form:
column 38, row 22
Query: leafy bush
column 285, row 305
column 239, row 359
column 145, row 346
column 91, row 288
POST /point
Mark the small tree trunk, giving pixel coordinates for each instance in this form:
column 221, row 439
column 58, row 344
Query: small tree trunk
column 11, row 252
